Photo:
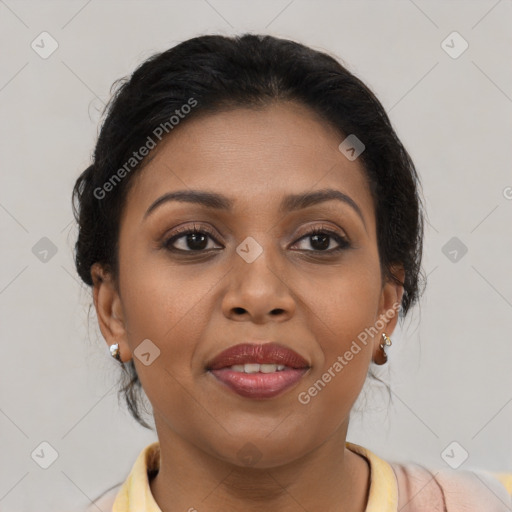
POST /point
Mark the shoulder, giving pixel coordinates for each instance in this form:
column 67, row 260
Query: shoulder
column 105, row 502
column 421, row 490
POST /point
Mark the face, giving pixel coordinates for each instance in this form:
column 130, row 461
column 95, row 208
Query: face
column 253, row 266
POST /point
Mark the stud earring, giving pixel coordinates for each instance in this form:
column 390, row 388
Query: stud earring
column 115, row 352
column 386, row 343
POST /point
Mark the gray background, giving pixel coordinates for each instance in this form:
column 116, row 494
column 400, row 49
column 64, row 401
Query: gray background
column 450, row 365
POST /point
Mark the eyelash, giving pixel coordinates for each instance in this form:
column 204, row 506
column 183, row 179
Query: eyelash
column 181, row 232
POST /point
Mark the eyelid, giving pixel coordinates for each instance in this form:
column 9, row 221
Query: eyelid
column 312, row 227
column 180, row 231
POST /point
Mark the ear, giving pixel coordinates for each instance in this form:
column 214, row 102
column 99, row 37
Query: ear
column 389, row 305
column 391, row 298
column 109, row 310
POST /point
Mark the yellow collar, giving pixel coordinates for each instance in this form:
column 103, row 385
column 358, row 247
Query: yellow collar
column 135, row 493
column 383, row 495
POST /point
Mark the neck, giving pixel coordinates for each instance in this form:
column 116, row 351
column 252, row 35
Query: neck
column 329, row 478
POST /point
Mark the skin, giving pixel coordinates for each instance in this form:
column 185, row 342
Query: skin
column 193, row 306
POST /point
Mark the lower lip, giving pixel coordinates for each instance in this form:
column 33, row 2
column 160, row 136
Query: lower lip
column 259, row 385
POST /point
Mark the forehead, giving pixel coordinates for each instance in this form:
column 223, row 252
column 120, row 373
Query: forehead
column 253, row 156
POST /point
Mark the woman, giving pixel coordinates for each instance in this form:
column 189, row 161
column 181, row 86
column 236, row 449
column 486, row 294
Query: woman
column 251, row 227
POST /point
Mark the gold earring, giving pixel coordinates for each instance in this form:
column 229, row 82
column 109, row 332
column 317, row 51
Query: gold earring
column 115, row 352
column 387, row 343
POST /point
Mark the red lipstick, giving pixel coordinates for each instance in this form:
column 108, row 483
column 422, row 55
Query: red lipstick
column 258, row 371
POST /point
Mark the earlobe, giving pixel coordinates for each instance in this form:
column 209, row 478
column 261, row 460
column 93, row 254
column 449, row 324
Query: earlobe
column 108, row 305
column 390, row 301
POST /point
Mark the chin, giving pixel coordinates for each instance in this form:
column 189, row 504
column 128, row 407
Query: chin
column 259, row 451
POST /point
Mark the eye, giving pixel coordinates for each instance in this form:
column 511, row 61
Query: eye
column 191, row 239
column 198, row 239
column 320, row 239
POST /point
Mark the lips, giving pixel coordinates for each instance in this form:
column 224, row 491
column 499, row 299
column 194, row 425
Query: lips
column 258, row 370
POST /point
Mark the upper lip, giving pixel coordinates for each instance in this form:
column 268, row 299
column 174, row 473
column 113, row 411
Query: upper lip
column 266, row 353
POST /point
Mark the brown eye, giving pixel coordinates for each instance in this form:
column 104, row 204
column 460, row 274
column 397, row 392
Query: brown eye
column 190, row 240
column 321, row 240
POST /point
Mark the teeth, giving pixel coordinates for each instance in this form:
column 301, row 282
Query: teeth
column 255, row 368
column 268, row 368
column 251, row 368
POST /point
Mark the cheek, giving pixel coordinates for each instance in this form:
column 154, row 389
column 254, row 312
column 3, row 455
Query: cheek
column 159, row 296
column 168, row 305
column 161, row 309
column 346, row 352
column 165, row 307
column 345, row 310
column 347, row 300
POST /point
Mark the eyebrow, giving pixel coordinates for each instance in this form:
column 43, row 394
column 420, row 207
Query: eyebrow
column 290, row 203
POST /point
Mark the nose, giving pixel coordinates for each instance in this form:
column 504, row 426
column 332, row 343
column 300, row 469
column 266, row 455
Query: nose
column 258, row 292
